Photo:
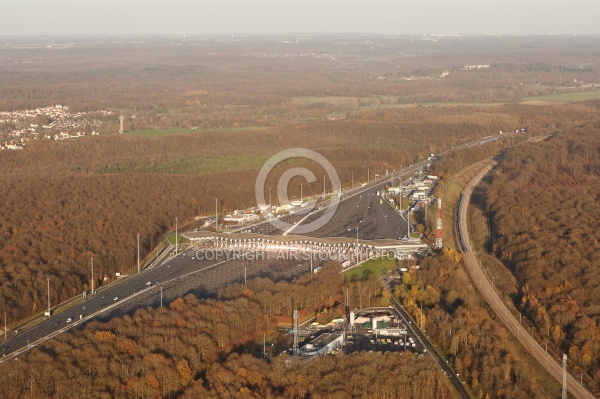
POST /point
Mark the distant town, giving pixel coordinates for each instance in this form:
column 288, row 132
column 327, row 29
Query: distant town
column 48, row 123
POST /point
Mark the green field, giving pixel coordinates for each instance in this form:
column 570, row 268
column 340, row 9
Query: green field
column 163, row 132
column 171, row 239
column 374, row 266
column 189, row 165
column 376, row 102
column 331, row 100
column 567, row 97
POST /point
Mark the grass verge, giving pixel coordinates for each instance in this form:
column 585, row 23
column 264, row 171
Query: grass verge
column 376, row 266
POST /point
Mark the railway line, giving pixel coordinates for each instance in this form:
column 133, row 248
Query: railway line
column 488, row 292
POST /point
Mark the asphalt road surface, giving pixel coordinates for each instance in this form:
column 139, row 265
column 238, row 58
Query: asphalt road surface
column 179, row 276
column 359, row 207
column 454, row 379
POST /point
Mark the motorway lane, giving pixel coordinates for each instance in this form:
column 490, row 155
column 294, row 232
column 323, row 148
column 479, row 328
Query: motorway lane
column 374, row 220
column 209, row 277
column 462, row 391
column 357, row 205
column 179, row 276
column 511, row 322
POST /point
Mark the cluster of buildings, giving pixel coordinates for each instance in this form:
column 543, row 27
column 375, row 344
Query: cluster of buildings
column 48, row 123
column 478, row 66
column 325, row 56
column 241, row 217
column 417, row 188
column 370, row 329
column 412, row 77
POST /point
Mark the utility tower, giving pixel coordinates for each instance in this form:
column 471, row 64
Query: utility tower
column 295, row 349
column 438, row 232
column 564, row 388
column 121, row 118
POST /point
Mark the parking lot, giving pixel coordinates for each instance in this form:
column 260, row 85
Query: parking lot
column 391, row 335
column 368, row 343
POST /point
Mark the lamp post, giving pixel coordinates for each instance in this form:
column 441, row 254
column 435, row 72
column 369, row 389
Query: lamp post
column 138, row 251
column 356, row 245
column 217, row 214
column 92, row 276
column 176, row 243
column 48, row 297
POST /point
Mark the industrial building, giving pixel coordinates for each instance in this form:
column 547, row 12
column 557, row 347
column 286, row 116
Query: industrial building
column 322, row 345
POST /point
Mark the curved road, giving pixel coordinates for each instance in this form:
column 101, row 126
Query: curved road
column 490, row 295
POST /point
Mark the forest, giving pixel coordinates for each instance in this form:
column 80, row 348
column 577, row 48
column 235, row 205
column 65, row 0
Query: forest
column 203, row 114
column 544, row 201
column 213, row 347
column 66, row 202
column 202, row 348
column 476, row 344
column 213, row 81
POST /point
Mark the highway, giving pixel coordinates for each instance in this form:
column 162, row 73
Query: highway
column 359, row 207
column 489, row 294
column 458, row 385
column 183, row 274
column 177, row 277
column 363, row 211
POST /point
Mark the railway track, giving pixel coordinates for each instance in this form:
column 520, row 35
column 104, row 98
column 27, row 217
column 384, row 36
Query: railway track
column 488, row 292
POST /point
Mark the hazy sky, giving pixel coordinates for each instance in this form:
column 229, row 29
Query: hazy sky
column 22, row 17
